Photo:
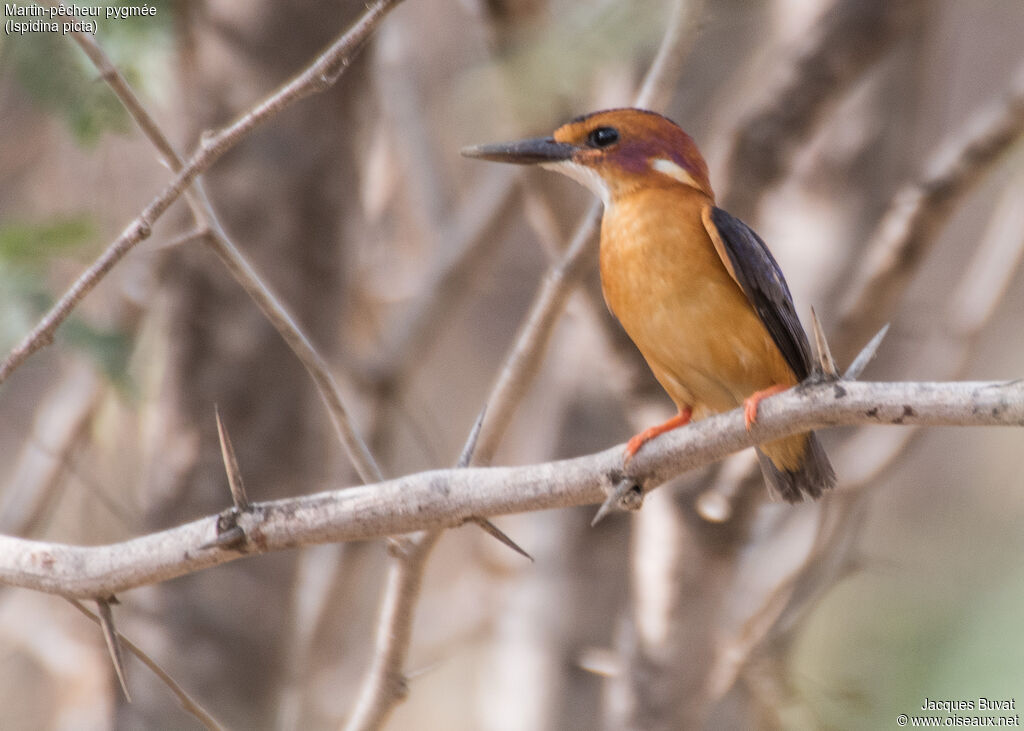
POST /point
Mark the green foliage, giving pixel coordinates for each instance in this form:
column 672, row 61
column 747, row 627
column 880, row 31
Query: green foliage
column 46, row 68
column 61, row 80
column 25, row 251
column 110, row 349
column 31, row 245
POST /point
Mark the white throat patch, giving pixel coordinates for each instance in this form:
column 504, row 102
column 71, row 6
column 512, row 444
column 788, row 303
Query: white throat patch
column 674, row 171
column 583, row 175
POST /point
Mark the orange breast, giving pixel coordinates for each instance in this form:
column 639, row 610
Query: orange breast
column 664, row 281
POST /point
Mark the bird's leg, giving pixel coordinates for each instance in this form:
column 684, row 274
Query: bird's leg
column 750, row 403
column 680, row 419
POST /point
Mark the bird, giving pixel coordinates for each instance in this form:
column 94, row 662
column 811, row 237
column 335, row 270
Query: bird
column 696, row 289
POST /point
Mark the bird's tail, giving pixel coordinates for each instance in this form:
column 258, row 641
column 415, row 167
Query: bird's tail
column 810, row 475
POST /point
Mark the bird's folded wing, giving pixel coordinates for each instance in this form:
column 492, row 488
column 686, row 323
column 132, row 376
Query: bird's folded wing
column 755, row 270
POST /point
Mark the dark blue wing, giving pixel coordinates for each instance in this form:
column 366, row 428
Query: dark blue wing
column 754, row 268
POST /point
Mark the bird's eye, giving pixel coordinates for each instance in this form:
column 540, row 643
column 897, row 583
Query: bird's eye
column 603, row 137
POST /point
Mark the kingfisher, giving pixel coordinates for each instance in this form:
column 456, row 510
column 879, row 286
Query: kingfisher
column 695, row 288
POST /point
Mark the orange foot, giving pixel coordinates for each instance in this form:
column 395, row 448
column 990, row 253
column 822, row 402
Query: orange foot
column 680, row 419
column 750, row 403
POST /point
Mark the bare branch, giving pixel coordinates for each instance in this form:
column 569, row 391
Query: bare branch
column 125, row 93
column 681, row 34
column 363, row 461
column 385, row 682
column 446, row 498
column 212, row 232
column 316, row 77
column 524, row 361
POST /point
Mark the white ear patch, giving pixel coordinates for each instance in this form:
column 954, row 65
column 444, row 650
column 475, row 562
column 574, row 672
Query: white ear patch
column 583, row 175
column 674, row 171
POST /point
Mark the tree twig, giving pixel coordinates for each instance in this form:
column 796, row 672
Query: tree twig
column 668, row 64
column 385, row 683
column 524, row 360
column 362, row 459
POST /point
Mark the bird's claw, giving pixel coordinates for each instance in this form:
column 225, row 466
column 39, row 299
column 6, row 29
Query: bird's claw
column 751, row 402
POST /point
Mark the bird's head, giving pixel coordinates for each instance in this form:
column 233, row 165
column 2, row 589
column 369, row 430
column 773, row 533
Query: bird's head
column 614, row 153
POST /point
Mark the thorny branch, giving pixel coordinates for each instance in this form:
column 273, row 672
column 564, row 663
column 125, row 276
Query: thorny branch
column 447, row 498
column 382, row 680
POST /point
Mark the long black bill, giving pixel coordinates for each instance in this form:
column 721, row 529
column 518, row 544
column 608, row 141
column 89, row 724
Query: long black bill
column 524, row 152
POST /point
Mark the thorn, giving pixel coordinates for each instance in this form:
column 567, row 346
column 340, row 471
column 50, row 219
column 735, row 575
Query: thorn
column 864, row 356
column 474, row 434
column 238, row 495
column 618, row 499
column 113, row 646
column 828, row 363
column 465, row 458
column 493, row 530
